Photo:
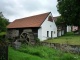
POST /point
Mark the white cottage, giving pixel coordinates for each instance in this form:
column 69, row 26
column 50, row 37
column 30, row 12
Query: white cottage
column 42, row 25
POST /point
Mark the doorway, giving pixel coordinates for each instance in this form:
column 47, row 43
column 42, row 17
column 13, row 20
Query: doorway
column 51, row 34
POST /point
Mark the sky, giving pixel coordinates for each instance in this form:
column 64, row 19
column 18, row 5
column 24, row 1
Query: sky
column 15, row 9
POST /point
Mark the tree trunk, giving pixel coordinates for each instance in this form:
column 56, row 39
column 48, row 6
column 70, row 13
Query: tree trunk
column 65, row 29
column 71, row 28
column 79, row 29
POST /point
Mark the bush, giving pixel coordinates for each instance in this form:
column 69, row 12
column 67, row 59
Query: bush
column 37, row 40
column 33, row 50
column 67, row 57
column 41, row 51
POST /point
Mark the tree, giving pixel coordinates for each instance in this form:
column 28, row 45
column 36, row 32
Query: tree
column 60, row 22
column 70, row 11
column 3, row 23
column 3, row 44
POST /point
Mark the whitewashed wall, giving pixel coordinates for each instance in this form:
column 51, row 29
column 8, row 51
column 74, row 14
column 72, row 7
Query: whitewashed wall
column 68, row 28
column 62, row 32
column 59, row 33
column 40, row 33
column 47, row 26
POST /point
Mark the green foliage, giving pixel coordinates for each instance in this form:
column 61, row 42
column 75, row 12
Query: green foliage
column 60, row 21
column 34, row 50
column 3, row 23
column 2, row 36
column 37, row 40
column 3, row 44
column 2, row 33
column 16, row 55
column 38, row 53
column 67, row 57
column 49, row 38
column 70, row 11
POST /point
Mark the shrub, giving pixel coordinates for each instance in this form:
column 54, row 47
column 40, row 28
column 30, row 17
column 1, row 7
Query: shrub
column 33, row 50
column 67, row 57
column 37, row 40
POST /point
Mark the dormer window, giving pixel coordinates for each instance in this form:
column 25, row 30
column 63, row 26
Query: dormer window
column 50, row 18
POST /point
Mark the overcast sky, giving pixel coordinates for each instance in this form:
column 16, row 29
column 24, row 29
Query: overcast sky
column 15, row 9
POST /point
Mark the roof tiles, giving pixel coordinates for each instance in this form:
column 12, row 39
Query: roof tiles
column 32, row 21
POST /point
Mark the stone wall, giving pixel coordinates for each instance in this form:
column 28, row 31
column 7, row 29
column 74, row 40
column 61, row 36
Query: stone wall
column 64, row 47
column 13, row 33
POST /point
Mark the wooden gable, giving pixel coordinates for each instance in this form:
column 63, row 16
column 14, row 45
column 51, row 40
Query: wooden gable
column 50, row 18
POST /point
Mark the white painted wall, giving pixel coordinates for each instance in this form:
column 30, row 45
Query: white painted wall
column 47, row 26
column 59, row 33
column 68, row 28
column 40, row 33
column 62, row 32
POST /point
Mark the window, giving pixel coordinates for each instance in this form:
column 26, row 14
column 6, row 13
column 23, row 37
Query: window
column 47, row 33
column 51, row 34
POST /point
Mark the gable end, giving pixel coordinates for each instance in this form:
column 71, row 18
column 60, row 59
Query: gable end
column 50, row 18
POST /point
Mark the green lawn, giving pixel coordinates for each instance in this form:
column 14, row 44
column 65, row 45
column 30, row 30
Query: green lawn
column 39, row 53
column 46, row 53
column 16, row 55
column 69, row 38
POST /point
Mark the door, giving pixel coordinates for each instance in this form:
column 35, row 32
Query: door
column 47, row 33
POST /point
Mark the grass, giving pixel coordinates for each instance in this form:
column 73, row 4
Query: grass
column 46, row 53
column 69, row 38
column 39, row 53
column 17, row 55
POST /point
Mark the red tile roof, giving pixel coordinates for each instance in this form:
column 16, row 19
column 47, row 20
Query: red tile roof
column 33, row 21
